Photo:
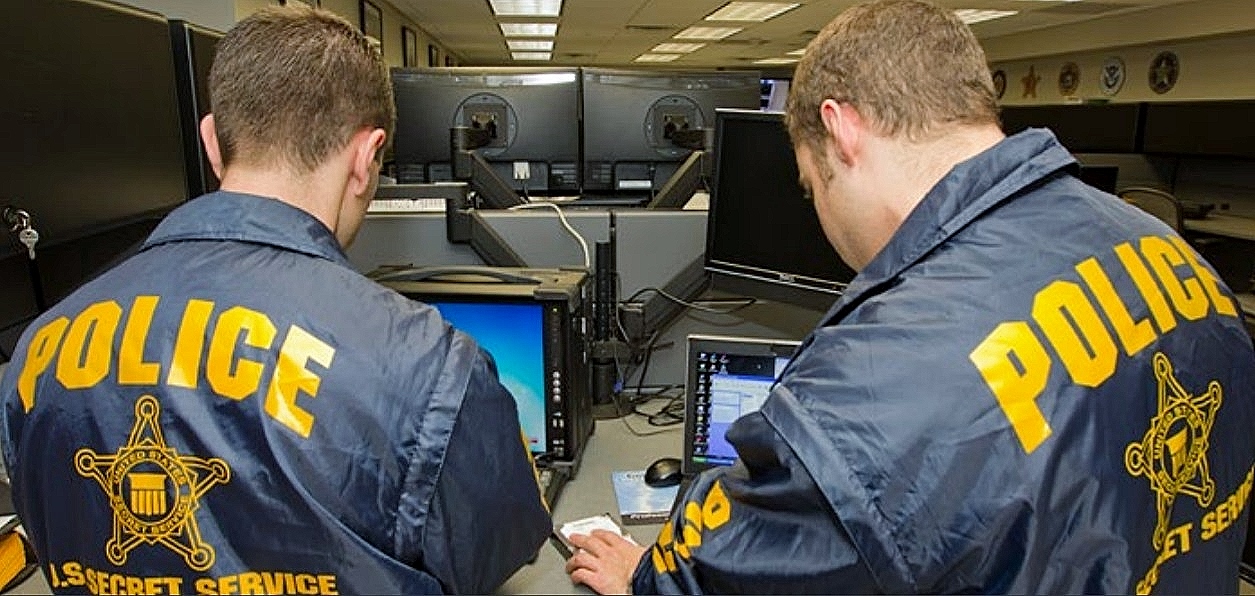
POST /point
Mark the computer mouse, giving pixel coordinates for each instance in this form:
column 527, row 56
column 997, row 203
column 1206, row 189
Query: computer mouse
column 663, row 472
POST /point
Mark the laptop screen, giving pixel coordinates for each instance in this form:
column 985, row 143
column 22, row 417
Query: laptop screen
column 727, row 377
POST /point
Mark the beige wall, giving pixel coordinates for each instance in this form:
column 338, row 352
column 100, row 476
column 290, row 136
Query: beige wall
column 1216, row 68
column 392, row 22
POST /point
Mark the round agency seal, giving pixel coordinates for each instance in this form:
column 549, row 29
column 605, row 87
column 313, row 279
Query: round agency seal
column 1069, row 79
column 1000, row 82
column 1111, row 79
column 1164, row 70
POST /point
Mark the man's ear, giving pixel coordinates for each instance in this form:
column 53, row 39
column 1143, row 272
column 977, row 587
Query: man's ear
column 366, row 147
column 846, row 129
column 209, row 135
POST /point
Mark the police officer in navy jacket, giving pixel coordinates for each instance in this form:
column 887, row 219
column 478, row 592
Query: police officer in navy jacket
column 1030, row 386
column 236, row 410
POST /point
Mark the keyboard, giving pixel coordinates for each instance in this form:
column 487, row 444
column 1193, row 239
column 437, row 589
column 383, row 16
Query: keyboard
column 406, row 206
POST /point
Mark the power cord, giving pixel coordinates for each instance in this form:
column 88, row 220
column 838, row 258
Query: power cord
column 740, row 303
column 565, row 224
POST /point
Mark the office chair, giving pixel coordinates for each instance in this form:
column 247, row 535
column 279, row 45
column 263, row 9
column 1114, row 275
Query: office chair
column 1231, row 258
column 1158, row 203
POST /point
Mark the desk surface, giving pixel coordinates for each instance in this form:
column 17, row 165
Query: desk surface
column 1223, row 225
column 612, row 447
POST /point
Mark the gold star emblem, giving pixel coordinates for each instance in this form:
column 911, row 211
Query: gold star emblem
column 1030, row 82
column 1172, row 454
column 153, row 490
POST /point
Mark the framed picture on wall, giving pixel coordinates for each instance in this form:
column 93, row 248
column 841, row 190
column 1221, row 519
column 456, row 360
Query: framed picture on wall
column 409, row 47
column 372, row 21
column 433, row 55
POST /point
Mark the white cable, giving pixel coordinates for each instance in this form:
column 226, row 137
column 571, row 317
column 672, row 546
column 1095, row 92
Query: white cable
column 565, row 224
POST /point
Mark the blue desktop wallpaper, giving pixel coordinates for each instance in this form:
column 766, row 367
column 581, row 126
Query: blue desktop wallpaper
column 513, row 334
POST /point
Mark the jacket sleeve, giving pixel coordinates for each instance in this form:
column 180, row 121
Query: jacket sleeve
column 487, row 516
column 761, row 526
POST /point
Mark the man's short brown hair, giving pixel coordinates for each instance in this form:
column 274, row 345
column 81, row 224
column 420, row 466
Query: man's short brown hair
column 909, row 67
column 292, row 85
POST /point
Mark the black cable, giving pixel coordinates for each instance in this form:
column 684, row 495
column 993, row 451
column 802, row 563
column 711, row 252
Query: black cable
column 740, row 303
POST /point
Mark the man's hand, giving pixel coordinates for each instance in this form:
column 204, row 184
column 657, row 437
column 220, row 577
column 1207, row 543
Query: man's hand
column 604, row 562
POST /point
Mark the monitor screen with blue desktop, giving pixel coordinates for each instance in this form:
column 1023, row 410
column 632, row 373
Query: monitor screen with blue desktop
column 513, row 334
column 727, row 378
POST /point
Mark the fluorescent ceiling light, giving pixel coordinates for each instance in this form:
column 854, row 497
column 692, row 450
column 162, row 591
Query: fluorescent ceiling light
column 677, row 48
column 531, row 55
column 776, row 61
column 751, row 11
column 711, row 33
column 545, row 45
column 657, row 57
column 798, row 52
column 526, row 8
column 976, row 15
column 1048, row 0
column 529, row 29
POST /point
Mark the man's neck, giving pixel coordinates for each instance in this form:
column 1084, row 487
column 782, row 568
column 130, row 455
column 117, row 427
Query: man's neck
column 924, row 164
column 313, row 192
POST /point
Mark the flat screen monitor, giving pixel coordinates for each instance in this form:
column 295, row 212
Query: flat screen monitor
column 637, row 124
column 531, row 115
column 1084, row 128
column 194, row 48
column 512, row 332
column 89, row 109
column 763, row 237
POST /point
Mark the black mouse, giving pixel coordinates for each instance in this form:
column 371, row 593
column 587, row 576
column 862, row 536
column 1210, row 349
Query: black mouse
column 664, row 472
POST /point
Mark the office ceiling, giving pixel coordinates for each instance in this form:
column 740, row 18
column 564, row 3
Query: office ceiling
column 616, row 32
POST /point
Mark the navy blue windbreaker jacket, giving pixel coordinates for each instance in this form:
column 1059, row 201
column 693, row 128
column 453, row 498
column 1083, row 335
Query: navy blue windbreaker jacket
column 1033, row 388
column 235, row 410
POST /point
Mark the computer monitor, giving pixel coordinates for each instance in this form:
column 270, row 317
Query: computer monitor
column 88, row 105
column 762, row 236
column 194, row 48
column 639, row 125
column 89, row 111
column 531, row 321
column 531, row 115
column 513, row 333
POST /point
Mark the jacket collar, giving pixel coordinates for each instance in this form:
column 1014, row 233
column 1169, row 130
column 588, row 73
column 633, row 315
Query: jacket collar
column 248, row 218
column 969, row 190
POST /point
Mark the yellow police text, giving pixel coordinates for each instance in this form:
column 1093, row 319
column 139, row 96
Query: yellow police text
column 268, row 582
column 240, row 360
column 1227, row 511
column 1168, row 279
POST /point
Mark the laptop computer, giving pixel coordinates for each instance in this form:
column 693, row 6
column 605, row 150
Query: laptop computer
column 726, row 377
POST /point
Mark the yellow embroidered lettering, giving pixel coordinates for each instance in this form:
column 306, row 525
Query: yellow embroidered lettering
column 132, row 370
column 1186, row 294
column 88, row 348
column 1009, row 349
column 188, row 345
column 1134, row 335
column 39, row 354
column 1146, row 286
column 291, row 377
column 1223, row 304
column 258, row 332
column 1072, row 326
